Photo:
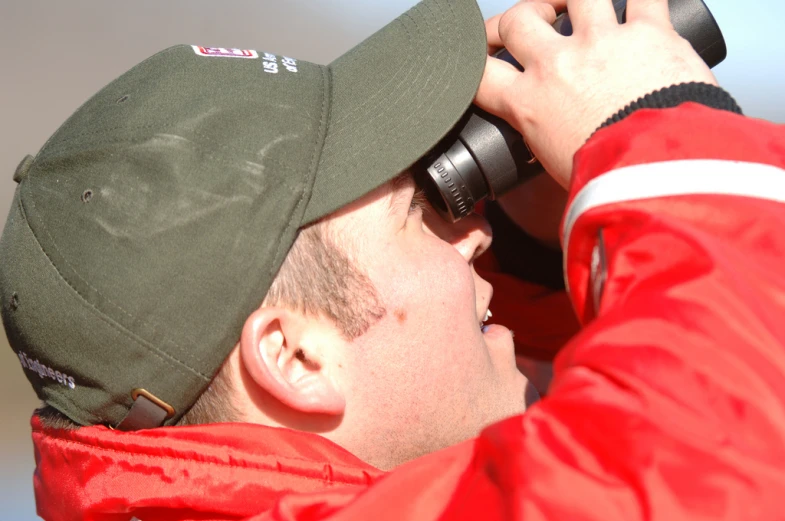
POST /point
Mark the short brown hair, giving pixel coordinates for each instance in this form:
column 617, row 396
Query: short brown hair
column 317, row 278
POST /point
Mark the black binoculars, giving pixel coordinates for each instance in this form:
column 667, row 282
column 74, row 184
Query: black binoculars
column 483, row 157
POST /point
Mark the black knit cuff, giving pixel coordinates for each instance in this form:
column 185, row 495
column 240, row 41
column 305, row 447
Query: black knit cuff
column 703, row 93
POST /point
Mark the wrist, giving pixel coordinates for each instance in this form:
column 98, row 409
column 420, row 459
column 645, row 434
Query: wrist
column 704, row 93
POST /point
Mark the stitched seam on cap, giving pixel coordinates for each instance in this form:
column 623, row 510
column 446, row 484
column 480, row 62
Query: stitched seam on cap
column 403, row 88
column 420, row 70
column 149, row 347
column 313, row 168
column 312, row 173
column 360, row 106
column 424, row 107
column 429, row 103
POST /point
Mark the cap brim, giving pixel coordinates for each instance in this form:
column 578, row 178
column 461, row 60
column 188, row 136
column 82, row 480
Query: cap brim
column 395, row 96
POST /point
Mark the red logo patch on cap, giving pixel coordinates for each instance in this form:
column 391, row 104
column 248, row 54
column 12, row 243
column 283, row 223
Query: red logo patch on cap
column 224, row 52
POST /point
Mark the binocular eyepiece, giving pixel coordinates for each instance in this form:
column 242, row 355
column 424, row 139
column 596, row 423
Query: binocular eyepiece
column 483, row 157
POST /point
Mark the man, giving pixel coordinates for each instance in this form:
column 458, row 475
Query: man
column 149, row 229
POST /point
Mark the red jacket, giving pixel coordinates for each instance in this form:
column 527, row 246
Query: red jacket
column 669, row 404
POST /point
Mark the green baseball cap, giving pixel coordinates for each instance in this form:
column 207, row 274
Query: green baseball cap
column 152, row 223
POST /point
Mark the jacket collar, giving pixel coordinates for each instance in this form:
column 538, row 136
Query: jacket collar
column 220, row 471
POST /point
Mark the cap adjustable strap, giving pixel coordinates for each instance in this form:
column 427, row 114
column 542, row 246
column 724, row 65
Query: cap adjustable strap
column 147, row 412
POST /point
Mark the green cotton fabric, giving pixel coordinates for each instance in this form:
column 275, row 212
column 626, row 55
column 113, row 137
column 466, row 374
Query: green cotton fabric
column 153, row 222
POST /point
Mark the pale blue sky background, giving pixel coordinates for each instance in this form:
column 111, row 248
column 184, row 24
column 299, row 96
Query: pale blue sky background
column 56, row 54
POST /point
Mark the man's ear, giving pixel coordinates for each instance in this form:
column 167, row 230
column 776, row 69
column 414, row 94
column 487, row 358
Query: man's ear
column 279, row 350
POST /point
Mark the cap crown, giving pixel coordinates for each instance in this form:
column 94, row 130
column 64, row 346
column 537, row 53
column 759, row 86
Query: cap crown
column 153, row 222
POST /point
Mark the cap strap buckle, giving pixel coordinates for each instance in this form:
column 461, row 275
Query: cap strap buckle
column 147, row 412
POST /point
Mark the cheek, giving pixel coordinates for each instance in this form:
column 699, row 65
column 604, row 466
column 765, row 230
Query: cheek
column 426, row 355
column 431, row 286
column 431, row 311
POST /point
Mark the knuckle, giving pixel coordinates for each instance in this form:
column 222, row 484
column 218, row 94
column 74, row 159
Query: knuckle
column 492, row 24
column 509, row 21
column 517, row 20
column 547, row 11
column 593, row 32
column 516, row 17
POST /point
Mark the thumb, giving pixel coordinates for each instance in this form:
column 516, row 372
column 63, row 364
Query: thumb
column 497, row 82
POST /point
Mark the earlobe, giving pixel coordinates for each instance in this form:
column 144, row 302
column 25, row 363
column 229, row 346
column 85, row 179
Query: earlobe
column 275, row 354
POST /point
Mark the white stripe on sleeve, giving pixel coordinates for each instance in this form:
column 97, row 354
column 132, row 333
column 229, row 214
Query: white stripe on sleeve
column 675, row 178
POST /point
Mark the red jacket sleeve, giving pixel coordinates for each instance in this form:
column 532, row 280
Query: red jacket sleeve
column 670, row 403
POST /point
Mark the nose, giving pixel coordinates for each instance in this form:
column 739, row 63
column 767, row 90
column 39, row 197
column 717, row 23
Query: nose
column 471, row 236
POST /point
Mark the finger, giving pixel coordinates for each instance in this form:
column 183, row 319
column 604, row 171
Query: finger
column 591, row 14
column 654, row 10
column 527, row 28
column 492, row 24
column 497, row 80
column 492, row 32
column 559, row 5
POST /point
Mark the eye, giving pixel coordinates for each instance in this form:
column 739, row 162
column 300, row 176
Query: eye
column 419, row 202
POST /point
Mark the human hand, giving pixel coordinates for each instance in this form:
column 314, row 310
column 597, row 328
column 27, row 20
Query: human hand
column 571, row 85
